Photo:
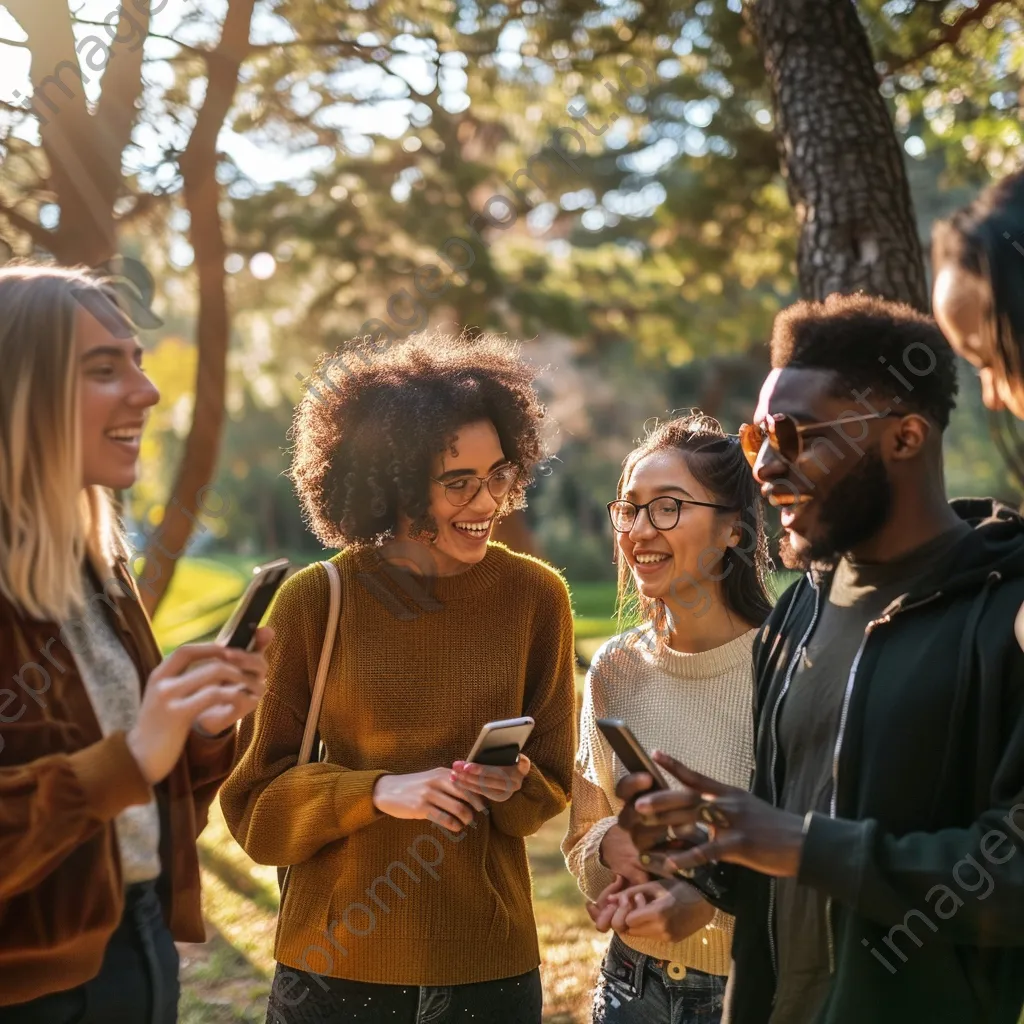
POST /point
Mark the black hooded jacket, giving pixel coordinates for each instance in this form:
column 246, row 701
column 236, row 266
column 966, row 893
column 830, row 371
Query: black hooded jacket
column 922, row 856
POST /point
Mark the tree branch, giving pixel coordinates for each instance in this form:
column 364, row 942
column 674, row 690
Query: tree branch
column 950, row 37
column 40, row 235
column 122, row 84
column 213, row 324
column 85, row 175
column 13, row 42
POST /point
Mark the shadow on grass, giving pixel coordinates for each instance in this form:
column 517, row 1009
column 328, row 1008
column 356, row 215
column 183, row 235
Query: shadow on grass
column 238, row 880
column 219, row 984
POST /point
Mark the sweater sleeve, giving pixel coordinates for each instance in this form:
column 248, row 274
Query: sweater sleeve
column 591, row 814
column 551, row 702
column 50, row 806
column 279, row 812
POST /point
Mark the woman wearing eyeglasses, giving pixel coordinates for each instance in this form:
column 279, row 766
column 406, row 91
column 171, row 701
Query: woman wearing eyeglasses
column 408, row 896
column 692, row 559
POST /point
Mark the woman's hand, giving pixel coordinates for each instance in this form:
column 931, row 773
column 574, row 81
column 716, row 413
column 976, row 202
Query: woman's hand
column 254, row 664
column 427, row 795
column 195, row 679
column 620, row 855
column 662, row 911
column 492, row 782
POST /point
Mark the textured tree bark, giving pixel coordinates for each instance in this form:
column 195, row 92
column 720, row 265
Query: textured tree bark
column 190, row 493
column 839, row 153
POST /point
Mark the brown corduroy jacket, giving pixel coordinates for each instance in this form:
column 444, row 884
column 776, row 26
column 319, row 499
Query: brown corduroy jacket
column 62, row 784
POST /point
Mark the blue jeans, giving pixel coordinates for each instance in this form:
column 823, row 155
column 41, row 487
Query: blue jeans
column 637, row 989
column 300, row 998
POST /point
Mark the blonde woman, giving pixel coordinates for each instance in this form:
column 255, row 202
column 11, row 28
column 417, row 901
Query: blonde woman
column 692, row 553
column 109, row 757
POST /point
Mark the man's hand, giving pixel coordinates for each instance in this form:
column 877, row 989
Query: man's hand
column 725, row 823
column 492, row 782
column 663, row 911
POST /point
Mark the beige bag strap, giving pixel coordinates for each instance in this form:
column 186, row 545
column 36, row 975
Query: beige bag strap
column 317, row 696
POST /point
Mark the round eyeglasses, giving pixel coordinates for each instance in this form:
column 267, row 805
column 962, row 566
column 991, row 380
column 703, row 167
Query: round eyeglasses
column 463, row 490
column 663, row 512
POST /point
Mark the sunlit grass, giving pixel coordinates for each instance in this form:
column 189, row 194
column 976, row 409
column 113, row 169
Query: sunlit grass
column 198, row 600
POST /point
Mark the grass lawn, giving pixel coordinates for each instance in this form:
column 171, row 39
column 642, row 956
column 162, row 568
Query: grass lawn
column 227, row 979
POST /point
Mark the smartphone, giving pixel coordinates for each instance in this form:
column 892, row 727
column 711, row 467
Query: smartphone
column 629, row 750
column 240, row 629
column 636, row 759
column 500, row 743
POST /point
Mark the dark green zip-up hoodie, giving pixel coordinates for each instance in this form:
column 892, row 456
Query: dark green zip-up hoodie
column 922, row 856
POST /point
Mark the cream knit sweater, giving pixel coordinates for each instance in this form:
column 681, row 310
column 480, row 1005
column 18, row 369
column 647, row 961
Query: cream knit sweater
column 696, row 707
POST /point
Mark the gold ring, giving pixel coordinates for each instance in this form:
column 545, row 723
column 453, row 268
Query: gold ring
column 713, row 816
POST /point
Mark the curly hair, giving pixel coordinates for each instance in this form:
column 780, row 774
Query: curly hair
column 874, row 346
column 717, row 462
column 366, row 438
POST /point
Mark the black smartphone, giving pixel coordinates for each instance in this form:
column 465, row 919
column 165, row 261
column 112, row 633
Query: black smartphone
column 240, row 630
column 636, row 759
column 629, row 750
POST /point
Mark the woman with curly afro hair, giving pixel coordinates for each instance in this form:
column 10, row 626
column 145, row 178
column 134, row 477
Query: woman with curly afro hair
column 408, row 897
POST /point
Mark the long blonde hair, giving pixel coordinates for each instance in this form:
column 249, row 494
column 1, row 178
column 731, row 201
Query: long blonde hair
column 48, row 521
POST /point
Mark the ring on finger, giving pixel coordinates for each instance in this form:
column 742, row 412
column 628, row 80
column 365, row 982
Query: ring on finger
column 714, row 816
column 708, row 830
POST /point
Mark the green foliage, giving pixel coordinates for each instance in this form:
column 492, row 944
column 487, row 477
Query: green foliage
column 600, row 179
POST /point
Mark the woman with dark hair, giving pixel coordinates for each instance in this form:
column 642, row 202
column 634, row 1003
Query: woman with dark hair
column 408, row 892
column 692, row 557
column 978, row 299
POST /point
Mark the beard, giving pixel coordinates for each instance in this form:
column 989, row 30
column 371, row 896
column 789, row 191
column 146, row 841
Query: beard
column 852, row 512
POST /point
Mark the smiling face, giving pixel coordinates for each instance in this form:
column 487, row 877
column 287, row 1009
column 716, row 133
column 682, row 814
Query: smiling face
column 840, row 481
column 962, row 303
column 464, row 529
column 114, row 398
column 671, row 565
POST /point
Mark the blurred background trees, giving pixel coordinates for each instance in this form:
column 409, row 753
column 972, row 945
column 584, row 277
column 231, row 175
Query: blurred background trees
column 632, row 189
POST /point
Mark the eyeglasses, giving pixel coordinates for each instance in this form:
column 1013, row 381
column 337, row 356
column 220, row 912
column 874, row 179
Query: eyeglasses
column 663, row 512
column 463, row 490
column 785, row 435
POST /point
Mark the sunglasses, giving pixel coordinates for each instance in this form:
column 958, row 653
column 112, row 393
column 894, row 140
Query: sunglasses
column 785, row 436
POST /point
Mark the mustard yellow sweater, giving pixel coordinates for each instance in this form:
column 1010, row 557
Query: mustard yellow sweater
column 372, row 898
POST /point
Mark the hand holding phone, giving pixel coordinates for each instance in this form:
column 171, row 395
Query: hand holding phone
column 629, row 751
column 495, row 766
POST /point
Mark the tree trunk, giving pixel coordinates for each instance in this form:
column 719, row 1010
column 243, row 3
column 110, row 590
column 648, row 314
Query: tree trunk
column 839, row 152
column 83, row 149
column 189, row 495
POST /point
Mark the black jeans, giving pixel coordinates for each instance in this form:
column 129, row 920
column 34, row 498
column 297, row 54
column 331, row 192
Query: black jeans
column 137, row 984
column 637, row 989
column 301, row 998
